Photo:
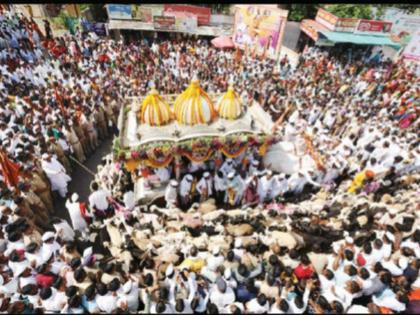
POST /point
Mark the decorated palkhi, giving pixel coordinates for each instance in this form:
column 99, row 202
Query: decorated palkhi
column 155, row 134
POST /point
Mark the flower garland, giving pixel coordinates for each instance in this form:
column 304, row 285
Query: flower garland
column 226, row 150
column 131, row 165
column 195, row 159
column 159, row 163
column 160, row 154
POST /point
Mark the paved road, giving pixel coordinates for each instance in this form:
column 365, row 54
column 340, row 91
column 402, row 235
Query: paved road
column 81, row 179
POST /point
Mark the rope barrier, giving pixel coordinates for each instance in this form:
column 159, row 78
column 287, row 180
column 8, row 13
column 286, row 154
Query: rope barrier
column 84, row 167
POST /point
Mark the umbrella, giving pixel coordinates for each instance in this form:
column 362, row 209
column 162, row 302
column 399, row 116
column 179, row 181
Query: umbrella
column 223, row 42
column 9, row 170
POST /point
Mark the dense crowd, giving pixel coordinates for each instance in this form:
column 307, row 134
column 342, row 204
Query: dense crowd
column 342, row 238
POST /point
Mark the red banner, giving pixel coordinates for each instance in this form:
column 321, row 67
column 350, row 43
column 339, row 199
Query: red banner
column 164, row 22
column 202, row 13
column 374, row 26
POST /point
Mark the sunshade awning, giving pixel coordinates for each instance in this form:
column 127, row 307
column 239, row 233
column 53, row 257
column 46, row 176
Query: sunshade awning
column 341, row 37
column 223, row 42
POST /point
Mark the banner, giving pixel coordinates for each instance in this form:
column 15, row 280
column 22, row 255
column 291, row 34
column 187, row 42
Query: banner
column 96, row 27
column 201, row 13
column 412, row 51
column 119, row 11
column 346, row 25
column 373, row 27
column 309, row 28
column 164, row 22
column 142, row 14
column 326, row 19
column 186, row 24
column 259, row 28
column 403, row 26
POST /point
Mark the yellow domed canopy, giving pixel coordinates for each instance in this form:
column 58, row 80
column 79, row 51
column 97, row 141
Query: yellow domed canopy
column 154, row 110
column 194, row 106
column 229, row 105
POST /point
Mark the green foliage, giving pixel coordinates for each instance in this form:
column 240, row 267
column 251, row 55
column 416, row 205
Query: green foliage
column 60, row 20
column 84, row 6
column 357, row 11
column 298, row 12
column 407, row 8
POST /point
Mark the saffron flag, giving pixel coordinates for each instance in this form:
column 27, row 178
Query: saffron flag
column 9, row 169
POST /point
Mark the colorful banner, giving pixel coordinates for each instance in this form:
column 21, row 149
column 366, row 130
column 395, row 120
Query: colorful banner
column 373, row 27
column 186, row 24
column 201, row 13
column 326, row 19
column 412, row 51
column 403, row 26
column 119, row 11
column 309, row 28
column 259, row 29
column 142, row 14
column 164, row 22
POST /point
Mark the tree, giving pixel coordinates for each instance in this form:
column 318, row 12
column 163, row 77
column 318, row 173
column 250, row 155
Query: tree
column 357, row 11
column 406, row 8
column 298, row 12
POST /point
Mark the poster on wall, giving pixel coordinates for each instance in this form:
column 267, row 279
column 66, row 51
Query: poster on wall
column 346, row 25
column 259, row 29
column 201, row 13
column 404, row 26
column 164, row 23
column 119, row 11
column 326, row 19
column 412, row 51
column 186, row 24
column 373, row 27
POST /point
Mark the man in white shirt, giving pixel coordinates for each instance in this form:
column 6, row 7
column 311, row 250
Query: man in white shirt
column 205, row 187
column 107, row 302
column 130, row 292
column 171, row 194
column 258, row 305
column 221, row 295
column 99, row 200
column 213, row 262
column 56, row 174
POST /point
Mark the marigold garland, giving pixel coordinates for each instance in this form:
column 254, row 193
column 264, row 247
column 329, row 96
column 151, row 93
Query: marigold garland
column 192, row 158
column 158, row 164
column 231, row 154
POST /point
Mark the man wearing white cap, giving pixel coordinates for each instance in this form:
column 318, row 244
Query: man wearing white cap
column 253, row 168
column 235, row 189
column 56, row 174
column 213, row 262
column 171, row 194
column 130, row 292
column 221, row 295
column 205, row 187
column 49, row 246
column 75, row 211
column 227, row 167
column 269, row 187
column 186, row 190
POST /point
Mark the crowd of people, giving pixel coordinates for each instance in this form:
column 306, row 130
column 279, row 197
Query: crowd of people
column 342, row 238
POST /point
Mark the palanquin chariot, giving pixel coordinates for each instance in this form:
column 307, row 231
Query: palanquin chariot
column 198, row 127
